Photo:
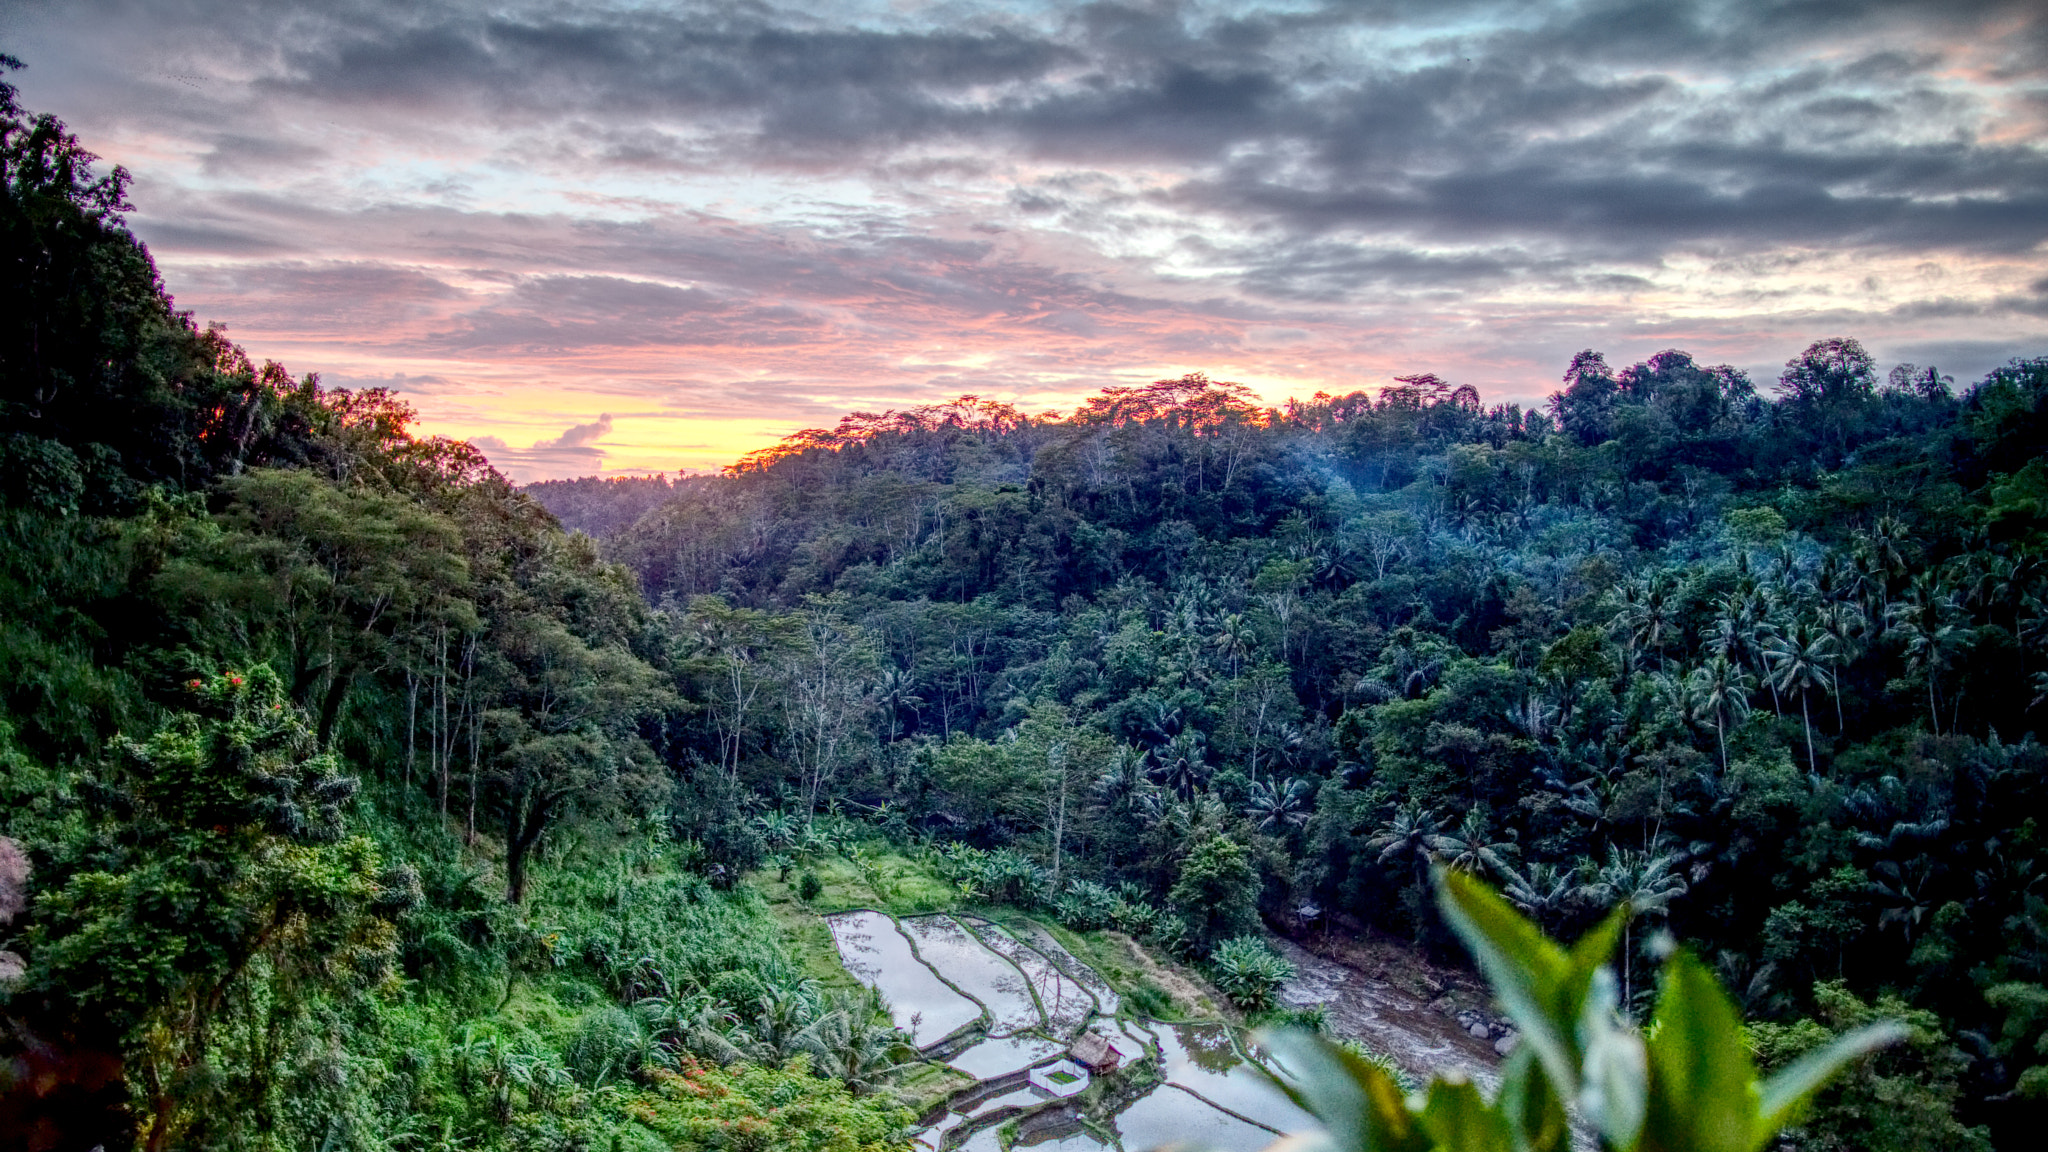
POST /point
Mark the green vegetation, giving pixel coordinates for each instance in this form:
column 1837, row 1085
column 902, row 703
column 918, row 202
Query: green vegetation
column 349, row 802
column 1686, row 1082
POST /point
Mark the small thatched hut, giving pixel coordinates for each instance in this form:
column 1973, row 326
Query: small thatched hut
column 1094, row 1052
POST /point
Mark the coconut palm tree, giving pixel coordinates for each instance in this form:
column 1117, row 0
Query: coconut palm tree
column 1846, row 624
column 1413, row 832
column 1934, row 643
column 853, row 1040
column 1276, row 806
column 1799, row 663
column 1645, row 883
column 895, row 691
column 1234, row 639
column 1472, row 846
column 1721, row 688
column 1180, row 765
column 1544, row 891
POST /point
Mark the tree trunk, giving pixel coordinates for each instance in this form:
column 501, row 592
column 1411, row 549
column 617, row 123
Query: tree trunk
column 412, row 716
column 1806, row 719
column 330, row 704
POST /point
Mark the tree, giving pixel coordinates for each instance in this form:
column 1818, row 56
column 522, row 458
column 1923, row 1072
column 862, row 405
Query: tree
column 1543, row 891
column 1216, row 894
column 1472, row 847
column 1641, row 883
column 826, row 670
column 1799, row 663
column 1832, row 380
column 1720, row 688
column 853, row 1041
column 1414, row 832
column 1275, row 806
column 1934, row 641
column 1903, row 1099
column 567, row 734
column 730, row 653
column 213, row 886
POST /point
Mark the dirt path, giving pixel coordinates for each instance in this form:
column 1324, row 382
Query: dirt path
column 1367, row 1002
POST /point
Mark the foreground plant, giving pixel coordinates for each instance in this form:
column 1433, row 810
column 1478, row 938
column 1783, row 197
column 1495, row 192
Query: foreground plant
column 1686, row 1084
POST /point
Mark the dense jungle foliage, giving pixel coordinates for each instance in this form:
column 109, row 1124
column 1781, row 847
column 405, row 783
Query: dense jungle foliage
column 1763, row 664
column 334, row 810
column 347, row 802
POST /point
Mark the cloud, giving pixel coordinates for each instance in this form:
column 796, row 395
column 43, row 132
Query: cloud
column 574, row 452
column 786, row 209
column 578, row 437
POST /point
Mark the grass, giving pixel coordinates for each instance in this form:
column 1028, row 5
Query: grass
column 903, row 886
column 1151, row 984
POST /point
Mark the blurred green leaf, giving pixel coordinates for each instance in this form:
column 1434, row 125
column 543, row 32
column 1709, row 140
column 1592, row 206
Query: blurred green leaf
column 1360, row 1106
column 1703, row 1083
column 1457, row 1116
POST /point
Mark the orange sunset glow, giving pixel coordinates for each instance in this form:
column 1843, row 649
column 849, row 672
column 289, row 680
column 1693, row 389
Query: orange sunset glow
column 618, row 239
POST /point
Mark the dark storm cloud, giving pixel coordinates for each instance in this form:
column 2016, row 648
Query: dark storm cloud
column 556, row 314
column 1578, row 122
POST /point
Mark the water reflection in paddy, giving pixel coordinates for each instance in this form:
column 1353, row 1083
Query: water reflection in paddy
column 982, row 974
column 1105, row 996
column 1204, row 1059
column 878, row 955
column 992, row 1058
column 1170, row 1115
column 1067, row 1004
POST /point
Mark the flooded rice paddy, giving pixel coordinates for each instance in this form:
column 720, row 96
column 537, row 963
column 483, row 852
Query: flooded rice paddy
column 997, row 1003
column 879, row 956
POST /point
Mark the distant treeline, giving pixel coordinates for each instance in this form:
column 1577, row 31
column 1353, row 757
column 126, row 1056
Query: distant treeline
column 1762, row 661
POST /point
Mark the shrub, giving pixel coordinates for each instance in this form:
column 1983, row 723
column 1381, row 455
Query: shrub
column 809, row 887
column 1249, row 972
column 1086, row 906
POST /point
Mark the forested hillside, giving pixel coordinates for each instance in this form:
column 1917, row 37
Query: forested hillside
column 1763, row 661
column 294, row 709
column 349, row 802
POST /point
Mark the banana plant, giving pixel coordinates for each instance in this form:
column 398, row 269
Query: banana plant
column 1686, row 1084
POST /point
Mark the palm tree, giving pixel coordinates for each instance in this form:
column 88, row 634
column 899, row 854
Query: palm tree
column 1471, row 847
column 1544, row 891
column 895, row 692
column 1886, row 551
column 1646, row 884
column 1180, row 765
column 1234, row 640
column 1278, row 805
column 1907, row 890
column 780, row 1015
column 1412, row 832
column 854, row 1041
column 1846, row 624
column 1648, row 613
column 1799, row 662
column 1721, row 688
column 1123, row 779
column 1933, row 643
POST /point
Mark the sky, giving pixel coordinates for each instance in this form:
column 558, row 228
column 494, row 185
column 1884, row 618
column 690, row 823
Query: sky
column 616, row 237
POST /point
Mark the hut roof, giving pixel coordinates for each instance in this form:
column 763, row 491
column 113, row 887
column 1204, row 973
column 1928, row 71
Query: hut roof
column 1094, row 1050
